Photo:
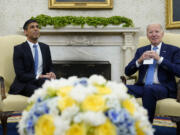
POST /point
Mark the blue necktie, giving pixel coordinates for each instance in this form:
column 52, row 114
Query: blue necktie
column 150, row 72
column 35, row 59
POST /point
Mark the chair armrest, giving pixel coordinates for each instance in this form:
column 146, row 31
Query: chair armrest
column 2, row 88
column 178, row 91
column 124, row 78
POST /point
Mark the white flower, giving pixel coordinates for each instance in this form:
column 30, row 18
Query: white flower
column 22, row 124
column 78, row 118
column 69, row 112
column 146, row 127
column 72, row 79
column 61, row 124
column 92, row 118
column 119, row 90
column 117, row 86
column 80, row 92
column 149, row 130
column 52, row 105
column 97, row 79
column 56, row 84
column 140, row 113
column 112, row 101
column 39, row 93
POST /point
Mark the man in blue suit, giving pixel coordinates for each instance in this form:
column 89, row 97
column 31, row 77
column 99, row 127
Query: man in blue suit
column 158, row 64
column 32, row 62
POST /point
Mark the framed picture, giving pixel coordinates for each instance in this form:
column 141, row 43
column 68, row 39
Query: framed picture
column 80, row 4
column 173, row 14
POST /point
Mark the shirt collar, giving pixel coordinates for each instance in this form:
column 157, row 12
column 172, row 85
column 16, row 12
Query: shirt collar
column 31, row 44
column 158, row 46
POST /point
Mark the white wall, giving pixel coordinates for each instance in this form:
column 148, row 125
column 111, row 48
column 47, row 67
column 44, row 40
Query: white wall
column 13, row 13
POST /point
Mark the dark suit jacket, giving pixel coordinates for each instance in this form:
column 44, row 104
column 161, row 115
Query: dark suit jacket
column 167, row 70
column 24, row 65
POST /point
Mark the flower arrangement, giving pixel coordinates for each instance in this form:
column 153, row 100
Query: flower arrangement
column 82, row 106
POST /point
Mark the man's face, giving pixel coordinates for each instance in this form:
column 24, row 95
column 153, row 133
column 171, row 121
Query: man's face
column 155, row 34
column 32, row 32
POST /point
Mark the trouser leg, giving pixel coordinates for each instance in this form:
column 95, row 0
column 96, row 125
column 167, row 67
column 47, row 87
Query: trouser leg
column 32, row 86
column 151, row 94
column 149, row 102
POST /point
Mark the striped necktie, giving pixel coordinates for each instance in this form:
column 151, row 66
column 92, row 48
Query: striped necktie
column 150, row 72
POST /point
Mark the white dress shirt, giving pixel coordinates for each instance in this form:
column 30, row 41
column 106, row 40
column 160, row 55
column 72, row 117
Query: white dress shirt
column 40, row 62
column 156, row 81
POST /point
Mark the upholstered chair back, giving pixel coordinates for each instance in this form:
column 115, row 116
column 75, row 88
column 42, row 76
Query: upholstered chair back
column 169, row 38
column 7, row 44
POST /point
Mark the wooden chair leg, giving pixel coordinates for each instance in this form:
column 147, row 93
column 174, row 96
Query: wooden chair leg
column 3, row 117
column 177, row 121
column 178, row 128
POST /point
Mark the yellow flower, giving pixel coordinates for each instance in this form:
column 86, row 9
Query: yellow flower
column 76, row 129
column 103, row 89
column 51, row 92
column 106, row 129
column 30, row 105
column 94, row 103
column 64, row 91
column 65, row 102
column 45, row 125
column 127, row 104
column 138, row 129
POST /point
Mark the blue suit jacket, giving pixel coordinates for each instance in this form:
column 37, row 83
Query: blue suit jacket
column 167, row 70
column 24, row 65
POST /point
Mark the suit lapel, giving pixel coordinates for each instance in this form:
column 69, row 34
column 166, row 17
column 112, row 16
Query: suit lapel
column 28, row 51
column 163, row 53
column 148, row 48
column 43, row 54
column 163, row 50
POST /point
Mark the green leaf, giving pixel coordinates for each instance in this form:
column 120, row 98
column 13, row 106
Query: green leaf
column 62, row 21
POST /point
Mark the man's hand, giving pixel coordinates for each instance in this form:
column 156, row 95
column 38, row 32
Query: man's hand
column 49, row 75
column 148, row 55
column 52, row 75
column 154, row 55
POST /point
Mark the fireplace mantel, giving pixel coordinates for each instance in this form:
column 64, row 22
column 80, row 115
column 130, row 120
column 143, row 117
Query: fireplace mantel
column 88, row 29
column 91, row 36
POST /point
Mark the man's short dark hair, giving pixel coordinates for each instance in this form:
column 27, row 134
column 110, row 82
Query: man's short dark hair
column 28, row 22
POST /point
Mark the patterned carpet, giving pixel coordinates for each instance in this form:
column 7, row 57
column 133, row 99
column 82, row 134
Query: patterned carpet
column 163, row 121
column 162, row 125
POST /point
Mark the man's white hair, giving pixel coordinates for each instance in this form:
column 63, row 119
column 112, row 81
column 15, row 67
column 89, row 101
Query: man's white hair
column 155, row 24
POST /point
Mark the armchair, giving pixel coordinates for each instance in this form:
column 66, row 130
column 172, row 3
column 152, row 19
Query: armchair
column 169, row 106
column 8, row 103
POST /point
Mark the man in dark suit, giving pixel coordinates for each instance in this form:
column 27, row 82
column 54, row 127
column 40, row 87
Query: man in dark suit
column 32, row 62
column 158, row 64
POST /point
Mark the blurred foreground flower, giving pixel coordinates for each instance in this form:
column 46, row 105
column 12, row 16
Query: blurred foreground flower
column 84, row 106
